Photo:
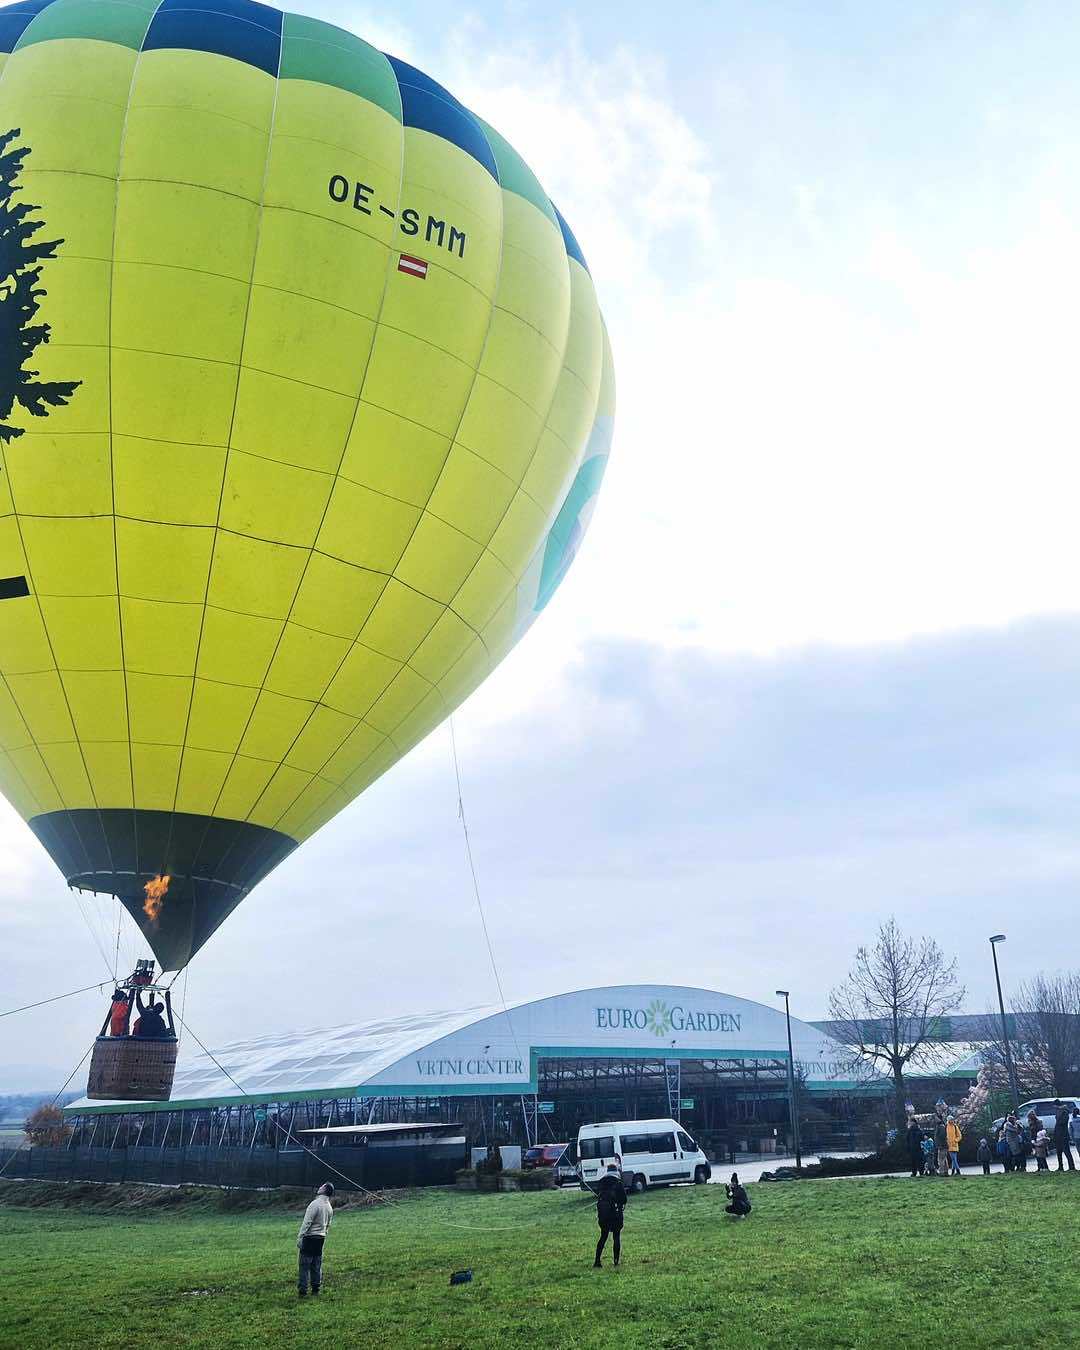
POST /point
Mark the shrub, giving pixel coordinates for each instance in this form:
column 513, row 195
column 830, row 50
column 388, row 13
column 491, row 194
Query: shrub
column 46, row 1127
column 532, row 1178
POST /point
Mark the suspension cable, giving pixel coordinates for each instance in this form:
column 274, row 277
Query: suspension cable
column 15, row 1151
column 378, row 1196
column 476, row 888
column 56, row 999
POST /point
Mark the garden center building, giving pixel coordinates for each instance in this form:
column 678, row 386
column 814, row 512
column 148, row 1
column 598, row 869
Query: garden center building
column 529, row 1073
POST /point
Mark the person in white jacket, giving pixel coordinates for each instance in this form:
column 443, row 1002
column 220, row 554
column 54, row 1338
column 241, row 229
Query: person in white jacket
column 317, row 1219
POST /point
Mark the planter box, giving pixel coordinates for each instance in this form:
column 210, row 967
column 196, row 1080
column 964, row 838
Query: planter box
column 509, row 1184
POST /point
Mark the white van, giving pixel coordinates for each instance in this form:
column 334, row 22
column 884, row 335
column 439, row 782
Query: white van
column 650, row 1153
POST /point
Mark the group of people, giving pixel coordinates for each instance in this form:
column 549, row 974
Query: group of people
column 1015, row 1141
column 150, row 1021
column 611, row 1200
column 936, row 1151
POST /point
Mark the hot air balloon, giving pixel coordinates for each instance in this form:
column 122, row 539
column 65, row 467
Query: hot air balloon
column 305, row 399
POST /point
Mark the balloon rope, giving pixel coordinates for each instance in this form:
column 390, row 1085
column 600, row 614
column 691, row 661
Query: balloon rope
column 476, row 887
column 15, row 1152
column 56, row 999
column 119, row 916
column 183, row 1001
column 379, row 1196
column 102, row 952
column 283, row 1129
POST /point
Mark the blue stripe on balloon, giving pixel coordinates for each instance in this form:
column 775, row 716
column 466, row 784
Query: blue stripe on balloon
column 15, row 18
column 573, row 248
column 429, row 107
column 238, row 29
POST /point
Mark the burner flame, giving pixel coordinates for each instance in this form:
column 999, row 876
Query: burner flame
column 155, row 890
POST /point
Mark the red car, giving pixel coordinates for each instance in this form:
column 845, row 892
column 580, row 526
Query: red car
column 545, row 1155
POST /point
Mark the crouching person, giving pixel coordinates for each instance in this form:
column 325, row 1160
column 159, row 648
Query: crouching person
column 740, row 1202
column 317, row 1219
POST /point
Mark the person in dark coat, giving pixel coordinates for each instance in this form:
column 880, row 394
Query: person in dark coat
column 1062, row 1147
column 610, row 1203
column 985, row 1155
column 914, row 1146
column 151, row 1021
column 740, row 1202
column 941, row 1143
column 1014, row 1137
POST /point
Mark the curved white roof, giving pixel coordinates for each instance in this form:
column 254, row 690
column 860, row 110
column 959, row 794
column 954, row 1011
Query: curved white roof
column 485, row 1049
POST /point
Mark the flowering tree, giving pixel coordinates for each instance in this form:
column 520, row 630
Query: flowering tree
column 989, row 1097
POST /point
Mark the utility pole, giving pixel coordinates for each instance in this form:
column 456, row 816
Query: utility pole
column 1000, row 937
column 783, row 993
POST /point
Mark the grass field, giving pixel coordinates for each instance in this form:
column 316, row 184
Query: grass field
column 871, row 1262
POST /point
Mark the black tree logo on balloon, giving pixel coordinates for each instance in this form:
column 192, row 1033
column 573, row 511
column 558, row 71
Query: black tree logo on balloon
column 20, row 300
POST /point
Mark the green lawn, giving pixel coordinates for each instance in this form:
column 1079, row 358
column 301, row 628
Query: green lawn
column 871, row 1262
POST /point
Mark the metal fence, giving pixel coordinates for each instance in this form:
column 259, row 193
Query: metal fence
column 370, row 1168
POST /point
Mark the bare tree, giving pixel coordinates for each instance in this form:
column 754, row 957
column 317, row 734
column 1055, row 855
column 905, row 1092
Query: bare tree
column 1050, row 1027
column 891, row 1004
column 1032, row 1079
column 1045, row 1036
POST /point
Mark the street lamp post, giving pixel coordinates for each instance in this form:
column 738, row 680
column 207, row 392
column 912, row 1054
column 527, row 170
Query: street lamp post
column 783, row 993
column 1000, row 937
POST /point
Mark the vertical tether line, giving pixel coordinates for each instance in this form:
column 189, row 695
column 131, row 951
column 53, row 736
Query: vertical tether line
column 476, row 887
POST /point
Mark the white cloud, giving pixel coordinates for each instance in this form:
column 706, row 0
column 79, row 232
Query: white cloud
column 836, row 423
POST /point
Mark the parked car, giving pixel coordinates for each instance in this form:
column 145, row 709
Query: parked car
column 1044, row 1108
column 650, row 1153
column 544, row 1155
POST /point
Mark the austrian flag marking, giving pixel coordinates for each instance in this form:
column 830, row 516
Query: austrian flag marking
column 413, row 267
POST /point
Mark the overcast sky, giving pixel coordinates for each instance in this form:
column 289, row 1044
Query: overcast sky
column 817, row 662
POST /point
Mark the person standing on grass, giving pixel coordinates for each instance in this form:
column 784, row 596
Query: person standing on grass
column 929, row 1155
column 317, row 1219
column 1042, row 1148
column 1014, row 1138
column 1001, row 1148
column 610, row 1203
column 953, row 1135
column 941, row 1143
column 1074, row 1127
column 1061, row 1136
column 985, row 1156
column 914, row 1147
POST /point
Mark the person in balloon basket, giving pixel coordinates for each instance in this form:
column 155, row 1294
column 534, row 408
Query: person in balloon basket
column 309, row 1241
column 119, row 1013
column 610, row 1203
column 151, row 1020
column 740, row 1202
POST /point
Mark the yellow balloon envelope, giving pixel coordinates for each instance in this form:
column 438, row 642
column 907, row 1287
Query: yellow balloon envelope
column 305, row 399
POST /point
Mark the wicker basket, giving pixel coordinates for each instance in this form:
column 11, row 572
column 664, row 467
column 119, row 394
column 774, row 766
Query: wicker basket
column 132, row 1069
